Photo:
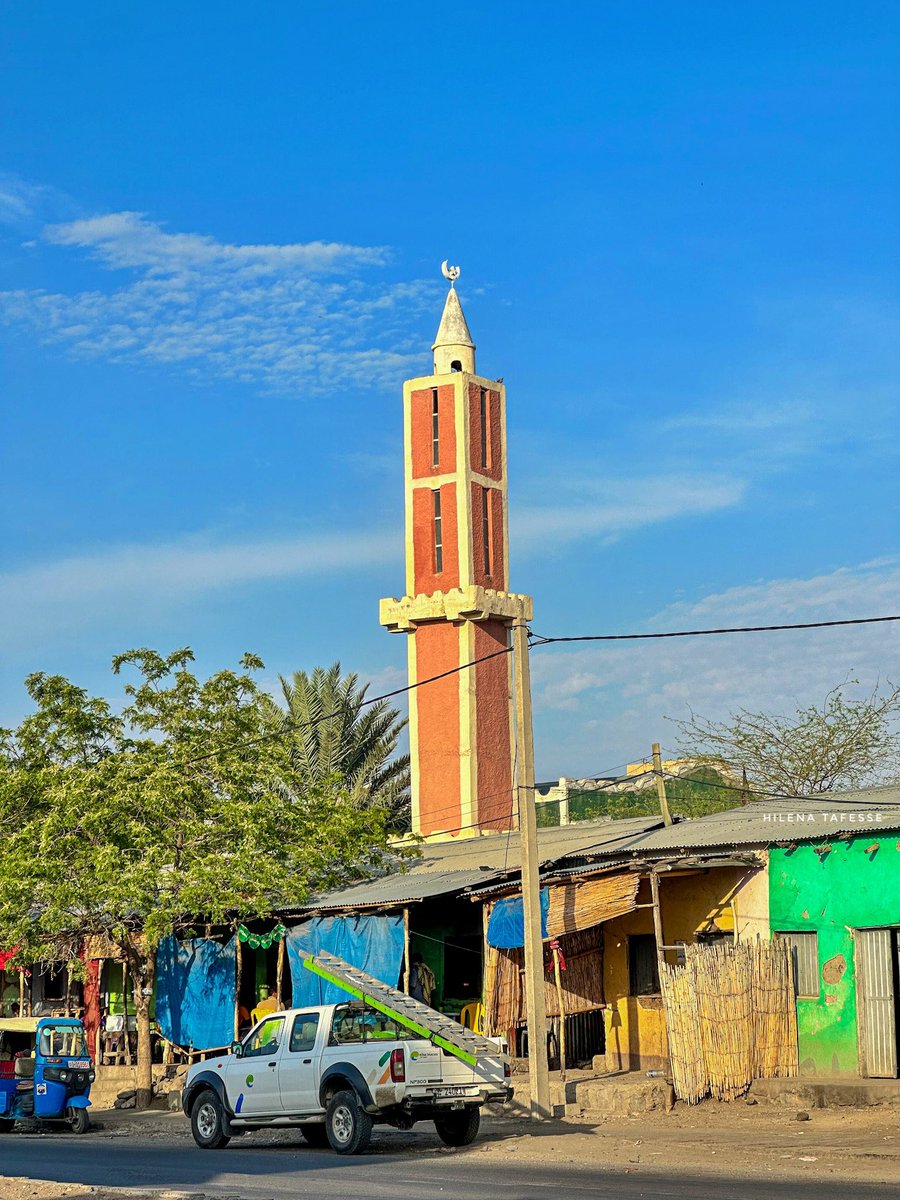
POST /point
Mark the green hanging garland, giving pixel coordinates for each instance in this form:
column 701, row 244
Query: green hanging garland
column 261, row 941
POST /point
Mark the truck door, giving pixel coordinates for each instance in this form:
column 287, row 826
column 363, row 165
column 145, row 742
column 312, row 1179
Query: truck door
column 299, row 1072
column 252, row 1080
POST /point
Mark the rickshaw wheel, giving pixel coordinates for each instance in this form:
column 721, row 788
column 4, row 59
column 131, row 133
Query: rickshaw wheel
column 78, row 1120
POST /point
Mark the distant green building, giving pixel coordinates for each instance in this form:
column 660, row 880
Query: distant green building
column 838, row 900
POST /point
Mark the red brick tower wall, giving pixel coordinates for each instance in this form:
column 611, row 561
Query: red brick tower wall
column 493, row 731
column 437, row 707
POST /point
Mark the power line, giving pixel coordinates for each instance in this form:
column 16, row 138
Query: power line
column 535, row 640
column 604, row 784
column 740, row 788
column 293, row 726
column 540, row 640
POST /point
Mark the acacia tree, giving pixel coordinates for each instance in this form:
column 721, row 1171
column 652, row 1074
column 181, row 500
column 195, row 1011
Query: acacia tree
column 333, row 731
column 177, row 810
column 841, row 743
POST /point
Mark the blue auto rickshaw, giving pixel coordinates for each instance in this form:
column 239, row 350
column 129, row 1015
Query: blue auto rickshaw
column 45, row 1072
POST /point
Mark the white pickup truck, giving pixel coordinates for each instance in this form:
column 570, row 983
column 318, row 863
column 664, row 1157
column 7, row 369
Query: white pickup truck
column 334, row 1071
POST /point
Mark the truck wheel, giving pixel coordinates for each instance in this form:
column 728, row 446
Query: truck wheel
column 78, row 1120
column 315, row 1134
column 6, row 1126
column 458, row 1128
column 348, row 1127
column 208, row 1121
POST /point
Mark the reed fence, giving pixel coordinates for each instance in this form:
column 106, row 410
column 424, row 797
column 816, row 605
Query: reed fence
column 730, row 1017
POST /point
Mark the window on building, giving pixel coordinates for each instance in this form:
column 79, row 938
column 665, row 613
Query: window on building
column 804, row 946
column 643, row 972
column 486, row 527
column 438, row 537
column 435, row 429
column 456, row 365
column 484, row 428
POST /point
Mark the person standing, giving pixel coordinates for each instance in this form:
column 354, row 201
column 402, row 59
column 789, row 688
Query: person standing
column 421, row 980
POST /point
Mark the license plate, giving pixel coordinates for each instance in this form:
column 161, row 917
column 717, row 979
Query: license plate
column 451, row 1091
column 79, row 1064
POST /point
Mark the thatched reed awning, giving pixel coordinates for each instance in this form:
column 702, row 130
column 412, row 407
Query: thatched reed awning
column 578, row 906
column 577, row 909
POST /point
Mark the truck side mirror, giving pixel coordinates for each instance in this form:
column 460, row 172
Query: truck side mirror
column 237, row 1049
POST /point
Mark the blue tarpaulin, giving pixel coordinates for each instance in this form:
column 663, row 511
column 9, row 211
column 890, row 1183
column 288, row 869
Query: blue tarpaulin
column 195, row 989
column 506, row 926
column 373, row 944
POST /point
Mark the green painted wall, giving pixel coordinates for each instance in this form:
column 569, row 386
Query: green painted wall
column 832, row 894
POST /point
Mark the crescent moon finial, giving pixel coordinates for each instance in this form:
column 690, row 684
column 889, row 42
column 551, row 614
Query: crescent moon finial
column 451, row 273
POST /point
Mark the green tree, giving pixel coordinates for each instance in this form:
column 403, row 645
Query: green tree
column 333, row 732
column 179, row 809
column 843, row 742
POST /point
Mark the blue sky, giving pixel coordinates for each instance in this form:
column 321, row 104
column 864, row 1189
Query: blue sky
column 220, row 237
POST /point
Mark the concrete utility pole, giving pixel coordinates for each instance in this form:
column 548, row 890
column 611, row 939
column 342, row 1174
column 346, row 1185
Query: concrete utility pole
column 661, row 785
column 538, row 1071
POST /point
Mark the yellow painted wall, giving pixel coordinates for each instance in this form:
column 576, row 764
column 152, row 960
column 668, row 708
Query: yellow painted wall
column 690, row 904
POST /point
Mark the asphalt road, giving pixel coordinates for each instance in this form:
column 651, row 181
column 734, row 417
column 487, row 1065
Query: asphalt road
column 279, row 1172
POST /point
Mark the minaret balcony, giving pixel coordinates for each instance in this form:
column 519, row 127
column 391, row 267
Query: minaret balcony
column 457, row 605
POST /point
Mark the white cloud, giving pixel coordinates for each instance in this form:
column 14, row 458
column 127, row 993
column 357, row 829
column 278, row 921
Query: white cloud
column 292, row 317
column 606, row 509
column 89, row 589
column 622, row 693
column 128, row 239
column 732, row 420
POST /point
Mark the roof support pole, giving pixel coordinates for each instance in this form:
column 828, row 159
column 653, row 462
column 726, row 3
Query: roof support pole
column 535, row 1000
column 660, row 941
column 238, row 964
column 406, row 968
column 279, row 978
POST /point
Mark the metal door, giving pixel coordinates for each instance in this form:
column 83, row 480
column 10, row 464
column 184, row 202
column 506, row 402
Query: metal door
column 875, row 950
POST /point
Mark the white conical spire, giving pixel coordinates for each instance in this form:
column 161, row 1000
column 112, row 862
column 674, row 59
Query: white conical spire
column 453, row 347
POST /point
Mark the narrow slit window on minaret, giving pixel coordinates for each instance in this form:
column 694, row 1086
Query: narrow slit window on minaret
column 438, row 543
column 486, row 527
column 484, row 428
column 435, row 429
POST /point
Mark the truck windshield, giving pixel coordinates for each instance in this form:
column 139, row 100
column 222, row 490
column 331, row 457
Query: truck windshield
column 62, row 1041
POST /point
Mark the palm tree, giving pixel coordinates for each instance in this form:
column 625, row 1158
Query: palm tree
column 336, row 733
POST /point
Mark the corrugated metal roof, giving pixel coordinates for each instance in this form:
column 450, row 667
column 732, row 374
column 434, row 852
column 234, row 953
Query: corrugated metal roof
column 446, row 868
column 394, row 890
column 762, row 822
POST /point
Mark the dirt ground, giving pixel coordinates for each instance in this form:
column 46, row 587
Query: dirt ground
column 762, row 1140
column 16, row 1188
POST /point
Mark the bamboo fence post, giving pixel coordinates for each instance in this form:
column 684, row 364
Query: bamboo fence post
column 562, row 1011
column 406, row 970
column 279, row 971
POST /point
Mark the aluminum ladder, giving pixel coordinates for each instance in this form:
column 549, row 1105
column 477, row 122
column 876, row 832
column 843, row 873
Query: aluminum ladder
column 412, row 1014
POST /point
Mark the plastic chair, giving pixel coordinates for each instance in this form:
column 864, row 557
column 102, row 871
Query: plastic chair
column 472, row 1016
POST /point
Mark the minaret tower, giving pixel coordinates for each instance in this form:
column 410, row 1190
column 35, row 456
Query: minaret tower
column 457, row 606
